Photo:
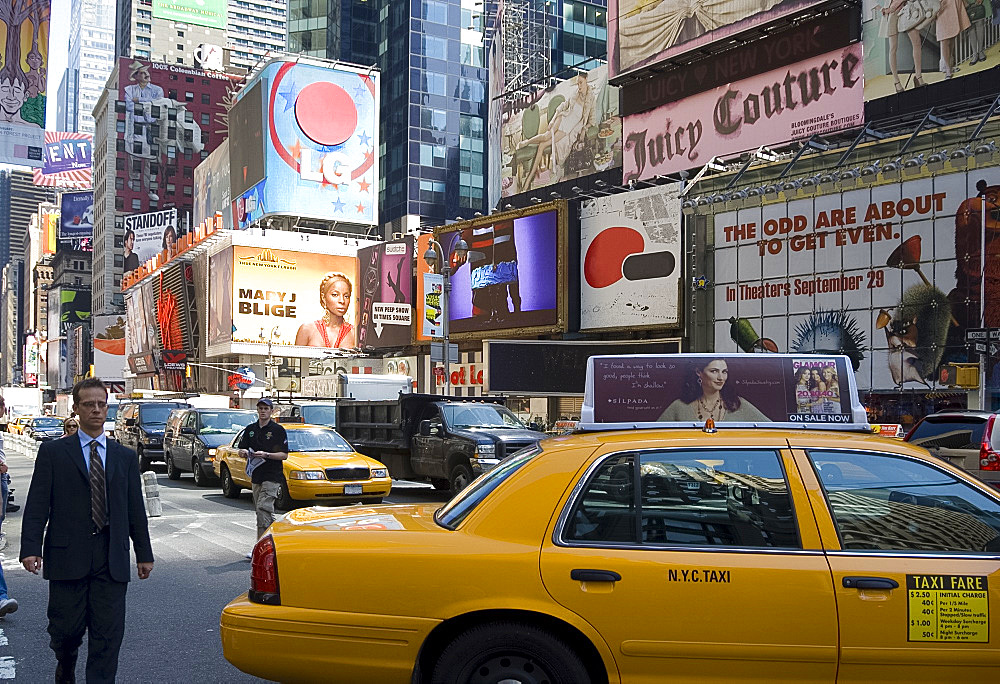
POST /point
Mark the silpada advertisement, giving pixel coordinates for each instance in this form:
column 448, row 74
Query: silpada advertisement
column 748, row 388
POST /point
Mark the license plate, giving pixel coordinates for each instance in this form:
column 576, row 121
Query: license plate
column 692, row 486
column 352, row 489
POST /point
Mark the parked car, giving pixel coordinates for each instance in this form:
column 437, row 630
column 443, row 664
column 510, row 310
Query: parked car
column 967, row 439
column 109, row 421
column 43, row 428
column 321, row 468
column 192, row 436
column 139, row 426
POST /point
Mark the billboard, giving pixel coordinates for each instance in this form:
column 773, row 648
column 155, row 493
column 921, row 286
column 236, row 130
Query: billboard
column 298, row 303
column 556, row 134
column 512, row 277
column 959, row 41
column 210, row 13
column 385, row 274
column 31, row 360
column 67, row 161
column 211, row 187
column 815, row 96
column 321, row 147
column 888, row 275
column 497, row 87
column 630, row 259
column 146, row 235
column 644, row 32
column 50, row 230
column 246, row 126
column 109, row 347
column 220, row 285
column 23, row 76
column 76, row 215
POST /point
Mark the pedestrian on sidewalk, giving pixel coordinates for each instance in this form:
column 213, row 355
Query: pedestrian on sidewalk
column 87, row 490
column 7, row 604
column 264, row 445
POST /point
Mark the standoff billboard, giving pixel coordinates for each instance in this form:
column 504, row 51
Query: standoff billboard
column 888, row 275
column 815, row 96
column 67, row 162
column 25, row 26
column 210, row 13
column 321, row 147
column 552, row 135
column 76, row 215
column 146, row 235
column 298, row 303
column 385, row 275
column 109, row 347
column 513, row 277
column 630, row 259
column 644, row 32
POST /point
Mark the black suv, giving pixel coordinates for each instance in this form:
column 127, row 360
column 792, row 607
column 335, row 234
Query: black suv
column 967, row 439
column 139, row 426
column 193, row 434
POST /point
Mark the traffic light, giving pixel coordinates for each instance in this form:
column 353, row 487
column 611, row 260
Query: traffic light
column 964, row 375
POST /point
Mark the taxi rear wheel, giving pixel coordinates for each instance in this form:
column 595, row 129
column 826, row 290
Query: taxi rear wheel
column 507, row 651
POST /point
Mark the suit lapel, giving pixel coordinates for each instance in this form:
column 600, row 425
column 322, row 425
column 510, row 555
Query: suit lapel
column 75, row 452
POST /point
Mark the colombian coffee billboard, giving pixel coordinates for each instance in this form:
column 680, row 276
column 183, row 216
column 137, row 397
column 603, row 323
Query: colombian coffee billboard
column 385, row 274
column 513, row 275
column 888, row 275
column 630, row 259
column 815, row 96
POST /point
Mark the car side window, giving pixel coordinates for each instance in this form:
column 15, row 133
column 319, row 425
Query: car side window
column 190, row 419
column 735, row 498
column 236, row 440
column 882, row 502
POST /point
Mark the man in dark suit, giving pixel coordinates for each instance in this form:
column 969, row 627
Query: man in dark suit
column 87, row 489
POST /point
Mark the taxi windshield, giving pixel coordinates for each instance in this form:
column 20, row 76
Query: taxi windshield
column 317, row 439
column 461, row 416
column 459, row 508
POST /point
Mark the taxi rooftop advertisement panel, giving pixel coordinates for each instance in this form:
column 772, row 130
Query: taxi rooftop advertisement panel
column 726, row 388
column 642, row 32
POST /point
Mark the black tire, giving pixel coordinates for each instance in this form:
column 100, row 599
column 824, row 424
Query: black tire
column 372, row 501
column 145, row 462
column 172, row 471
column 230, row 489
column 501, row 651
column 201, row 479
column 461, row 476
column 284, row 501
column 441, row 485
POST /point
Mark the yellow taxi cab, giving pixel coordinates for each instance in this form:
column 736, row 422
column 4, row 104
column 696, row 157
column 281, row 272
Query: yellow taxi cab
column 17, row 426
column 322, row 467
column 773, row 537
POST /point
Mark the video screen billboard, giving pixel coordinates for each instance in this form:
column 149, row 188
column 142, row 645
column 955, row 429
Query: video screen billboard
column 957, row 41
column 146, row 235
column 76, row 215
column 300, row 303
column 67, row 162
column 643, row 32
column 815, row 96
column 23, row 79
column 211, row 187
column 510, row 278
column 385, row 274
column 888, row 275
column 109, row 347
column 321, row 149
column 630, row 259
column 210, row 13
column 246, row 128
column 570, row 130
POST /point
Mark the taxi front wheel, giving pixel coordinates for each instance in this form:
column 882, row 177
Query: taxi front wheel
column 507, row 651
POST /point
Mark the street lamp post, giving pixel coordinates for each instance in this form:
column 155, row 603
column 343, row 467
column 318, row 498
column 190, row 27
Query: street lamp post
column 434, row 256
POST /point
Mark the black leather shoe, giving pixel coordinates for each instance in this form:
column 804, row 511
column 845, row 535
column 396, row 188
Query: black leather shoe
column 66, row 671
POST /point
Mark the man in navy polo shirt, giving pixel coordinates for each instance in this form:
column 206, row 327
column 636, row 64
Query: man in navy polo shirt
column 264, row 445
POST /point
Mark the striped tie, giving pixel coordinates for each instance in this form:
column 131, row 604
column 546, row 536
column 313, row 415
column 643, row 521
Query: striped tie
column 98, row 506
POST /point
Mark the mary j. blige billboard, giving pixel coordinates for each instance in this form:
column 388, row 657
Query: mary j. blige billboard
column 320, row 145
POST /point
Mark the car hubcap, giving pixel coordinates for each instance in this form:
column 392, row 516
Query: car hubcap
column 510, row 669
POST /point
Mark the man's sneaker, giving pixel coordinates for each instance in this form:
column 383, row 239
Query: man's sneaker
column 8, row 605
column 3, row 541
column 249, row 555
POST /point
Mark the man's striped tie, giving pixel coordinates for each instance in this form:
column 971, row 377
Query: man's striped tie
column 98, row 496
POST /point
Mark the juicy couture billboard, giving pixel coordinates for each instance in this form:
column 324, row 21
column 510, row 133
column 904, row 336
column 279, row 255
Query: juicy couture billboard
column 814, row 96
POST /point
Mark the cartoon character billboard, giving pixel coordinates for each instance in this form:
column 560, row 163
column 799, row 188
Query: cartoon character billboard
column 385, row 275
column 888, row 275
column 68, row 161
column 321, row 147
column 76, row 215
column 24, row 25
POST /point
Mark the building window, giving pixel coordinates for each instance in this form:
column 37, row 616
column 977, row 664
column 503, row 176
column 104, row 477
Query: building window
column 435, row 11
column 432, row 191
column 137, row 205
column 189, row 97
column 434, row 119
column 433, row 155
column 206, row 98
column 434, row 47
column 435, row 84
column 472, row 55
column 206, row 119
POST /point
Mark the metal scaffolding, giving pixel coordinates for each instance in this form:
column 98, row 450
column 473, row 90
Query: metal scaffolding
column 527, row 42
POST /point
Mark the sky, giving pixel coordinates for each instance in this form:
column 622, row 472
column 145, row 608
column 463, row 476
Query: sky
column 58, row 45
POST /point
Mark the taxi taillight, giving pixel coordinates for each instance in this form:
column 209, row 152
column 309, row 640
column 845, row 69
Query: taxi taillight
column 264, row 573
column 989, row 459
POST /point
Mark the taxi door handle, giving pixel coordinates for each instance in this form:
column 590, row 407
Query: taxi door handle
column 870, row 583
column 582, row 575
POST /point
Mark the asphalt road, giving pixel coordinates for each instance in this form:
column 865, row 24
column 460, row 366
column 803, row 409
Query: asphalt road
column 172, row 625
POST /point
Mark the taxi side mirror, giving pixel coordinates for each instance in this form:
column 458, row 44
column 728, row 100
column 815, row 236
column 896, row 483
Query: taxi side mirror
column 425, row 428
column 187, row 431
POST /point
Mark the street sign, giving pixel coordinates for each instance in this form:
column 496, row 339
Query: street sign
column 437, row 352
column 982, row 334
column 980, row 347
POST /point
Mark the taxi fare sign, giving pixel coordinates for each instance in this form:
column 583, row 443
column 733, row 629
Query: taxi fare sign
column 734, row 390
column 948, row 608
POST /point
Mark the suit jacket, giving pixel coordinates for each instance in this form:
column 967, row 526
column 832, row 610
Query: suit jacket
column 59, row 498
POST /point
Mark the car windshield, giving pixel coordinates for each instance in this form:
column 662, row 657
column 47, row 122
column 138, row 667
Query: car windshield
column 155, row 415
column 225, row 422
column 46, row 422
column 319, row 415
column 952, row 432
column 112, row 411
column 317, row 439
column 480, row 415
column 459, row 508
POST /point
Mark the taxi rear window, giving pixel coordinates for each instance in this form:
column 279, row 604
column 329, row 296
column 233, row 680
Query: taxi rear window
column 459, row 508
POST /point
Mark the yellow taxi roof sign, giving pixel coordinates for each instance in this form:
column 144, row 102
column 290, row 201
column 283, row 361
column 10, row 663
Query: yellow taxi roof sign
column 732, row 390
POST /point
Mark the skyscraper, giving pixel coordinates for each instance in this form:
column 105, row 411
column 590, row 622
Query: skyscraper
column 89, row 61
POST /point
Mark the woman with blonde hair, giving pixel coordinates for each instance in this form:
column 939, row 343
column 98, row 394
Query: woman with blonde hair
column 332, row 330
